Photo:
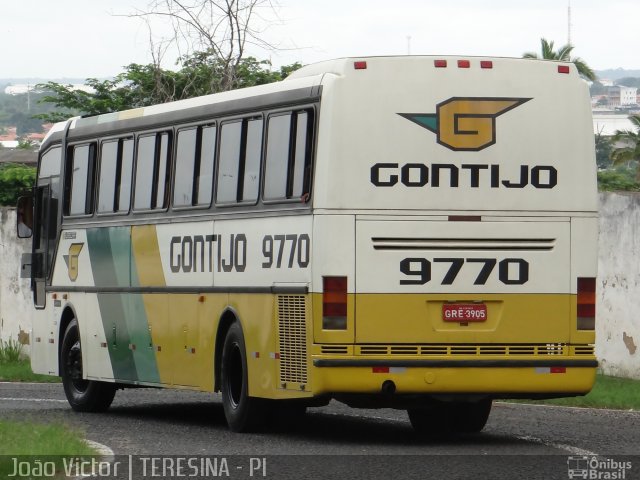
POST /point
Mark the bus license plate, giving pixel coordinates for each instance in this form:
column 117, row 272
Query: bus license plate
column 464, row 312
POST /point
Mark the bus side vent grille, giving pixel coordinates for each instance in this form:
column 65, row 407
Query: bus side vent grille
column 433, row 350
column 493, row 350
column 584, row 349
column 373, row 350
column 292, row 336
column 334, row 349
column 531, row 349
column 463, row 350
column 404, row 350
column 522, row 350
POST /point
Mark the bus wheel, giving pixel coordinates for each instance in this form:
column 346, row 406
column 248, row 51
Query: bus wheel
column 243, row 413
column 430, row 421
column 82, row 395
column 469, row 417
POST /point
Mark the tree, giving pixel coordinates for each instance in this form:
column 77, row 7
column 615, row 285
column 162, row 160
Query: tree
column 143, row 85
column 25, row 123
column 217, row 32
column 603, row 150
column 15, row 179
column 628, row 153
column 562, row 54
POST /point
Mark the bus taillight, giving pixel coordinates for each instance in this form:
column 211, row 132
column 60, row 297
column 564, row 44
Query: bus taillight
column 586, row 303
column 334, row 303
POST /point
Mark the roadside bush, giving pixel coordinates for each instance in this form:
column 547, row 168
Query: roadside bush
column 617, row 180
column 10, row 351
column 15, row 179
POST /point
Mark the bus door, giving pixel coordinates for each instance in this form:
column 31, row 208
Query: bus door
column 44, row 238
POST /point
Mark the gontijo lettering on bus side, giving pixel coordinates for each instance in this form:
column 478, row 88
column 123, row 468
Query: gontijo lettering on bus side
column 209, row 253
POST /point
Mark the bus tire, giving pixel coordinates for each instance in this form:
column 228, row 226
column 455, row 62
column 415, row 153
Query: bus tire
column 430, row 421
column 469, row 417
column 243, row 413
column 82, row 395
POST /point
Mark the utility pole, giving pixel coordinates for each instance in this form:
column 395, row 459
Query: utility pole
column 569, row 24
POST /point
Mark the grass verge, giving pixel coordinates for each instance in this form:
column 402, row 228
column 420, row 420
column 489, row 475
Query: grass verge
column 35, row 443
column 20, row 371
column 608, row 392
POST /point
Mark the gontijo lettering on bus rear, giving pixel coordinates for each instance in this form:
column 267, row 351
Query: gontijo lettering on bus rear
column 464, row 125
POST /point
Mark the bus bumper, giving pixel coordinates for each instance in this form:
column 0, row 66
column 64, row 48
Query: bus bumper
column 496, row 378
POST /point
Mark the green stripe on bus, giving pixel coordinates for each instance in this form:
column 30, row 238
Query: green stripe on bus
column 123, row 316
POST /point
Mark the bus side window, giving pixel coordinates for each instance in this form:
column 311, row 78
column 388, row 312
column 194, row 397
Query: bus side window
column 239, row 163
column 108, row 169
column 230, row 146
column 79, row 180
column 123, row 184
column 50, row 163
column 185, row 167
column 277, row 159
column 251, row 163
column 301, row 176
column 152, row 171
column 288, row 158
column 205, row 175
column 116, row 161
column 193, row 182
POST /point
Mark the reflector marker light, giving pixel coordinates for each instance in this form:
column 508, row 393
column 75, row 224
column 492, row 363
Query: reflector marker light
column 255, row 354
column 486, row 64
column 440, row 63
column 563, row 69
column 274, row 356
column 586, row 303
column 334, row 303
column 388, row 369
column 551, row 369
column 464, row 63
column 360, row 65
column 465, row 218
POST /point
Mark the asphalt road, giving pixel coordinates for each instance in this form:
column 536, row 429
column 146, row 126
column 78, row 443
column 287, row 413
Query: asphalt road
column 519, row 441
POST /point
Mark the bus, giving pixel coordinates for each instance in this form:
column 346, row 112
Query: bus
column 410, row 232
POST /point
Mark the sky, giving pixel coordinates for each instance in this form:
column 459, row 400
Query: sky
column 88, row 38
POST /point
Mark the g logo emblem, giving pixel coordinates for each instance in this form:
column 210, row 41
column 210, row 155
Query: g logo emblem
column 72, row 260
column 465, row 124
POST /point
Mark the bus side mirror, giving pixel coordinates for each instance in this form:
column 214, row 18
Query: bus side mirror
column 24, row 217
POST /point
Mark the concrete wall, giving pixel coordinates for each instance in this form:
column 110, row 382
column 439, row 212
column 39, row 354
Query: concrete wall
column 16, row 306
column 618, row 297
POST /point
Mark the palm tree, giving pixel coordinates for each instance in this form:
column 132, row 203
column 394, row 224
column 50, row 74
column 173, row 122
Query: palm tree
column 563, row 54
column 629, row 151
